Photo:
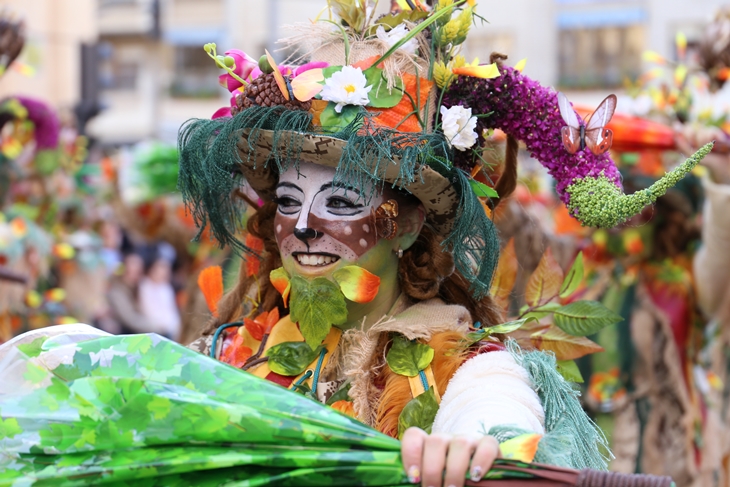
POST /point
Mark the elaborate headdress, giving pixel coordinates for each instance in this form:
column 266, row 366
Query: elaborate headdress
column 391, row 101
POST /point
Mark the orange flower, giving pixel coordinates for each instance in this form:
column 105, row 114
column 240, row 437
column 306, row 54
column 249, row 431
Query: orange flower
column 345, row 407
column 236, row 353
column 262, row 324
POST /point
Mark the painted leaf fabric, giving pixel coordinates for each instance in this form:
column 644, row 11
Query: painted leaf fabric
column 144, row 411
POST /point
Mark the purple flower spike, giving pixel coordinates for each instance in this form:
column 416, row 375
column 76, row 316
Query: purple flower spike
column 46, row 123
column 524, row 109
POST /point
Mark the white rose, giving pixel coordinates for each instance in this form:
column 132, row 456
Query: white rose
column 396, row 34
column 459, row 126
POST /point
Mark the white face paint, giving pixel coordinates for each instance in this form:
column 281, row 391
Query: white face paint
column 322, row 227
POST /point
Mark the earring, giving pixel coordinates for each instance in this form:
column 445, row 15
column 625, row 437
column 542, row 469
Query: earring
column 399, row 252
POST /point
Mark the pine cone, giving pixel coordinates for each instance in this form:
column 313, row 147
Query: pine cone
column 263, row 91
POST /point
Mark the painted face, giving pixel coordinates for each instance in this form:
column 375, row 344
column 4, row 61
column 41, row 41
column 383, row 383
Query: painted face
column 320, row 228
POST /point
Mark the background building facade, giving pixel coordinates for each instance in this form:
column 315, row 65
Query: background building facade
column 148, row 72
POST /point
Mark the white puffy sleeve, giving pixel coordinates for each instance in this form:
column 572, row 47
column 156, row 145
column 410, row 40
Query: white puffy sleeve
column 488, row 390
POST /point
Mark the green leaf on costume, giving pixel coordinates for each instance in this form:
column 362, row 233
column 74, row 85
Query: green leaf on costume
column 9, row 427
column 569, row 370
column 541, row 311
column 583, row 318
column 408, row 358
column 573, row 278
column 291, row 358
column 332, row 121
column 34, row 348
column 380, row 96
column 503, row 328
column 482, row 190
column 329, row 71
column 420, row 411
column 342, row 394
column 391, row 21
column 316, row 305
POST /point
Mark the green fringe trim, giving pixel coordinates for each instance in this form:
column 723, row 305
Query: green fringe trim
column 210, row 172
column 568, row 428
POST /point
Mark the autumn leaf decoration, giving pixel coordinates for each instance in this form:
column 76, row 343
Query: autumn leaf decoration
column 210, row 282
column 547, row 288
column 521, row 447
column 317, row 304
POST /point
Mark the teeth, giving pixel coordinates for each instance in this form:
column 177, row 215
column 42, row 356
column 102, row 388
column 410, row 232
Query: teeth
column 315, row 259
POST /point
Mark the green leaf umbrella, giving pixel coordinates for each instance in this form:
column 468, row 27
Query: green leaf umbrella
column 142, row 410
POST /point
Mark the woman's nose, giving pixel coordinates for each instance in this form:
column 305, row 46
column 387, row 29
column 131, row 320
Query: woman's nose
column 305, row 234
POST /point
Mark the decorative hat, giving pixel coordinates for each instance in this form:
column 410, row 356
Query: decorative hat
column 391, row 101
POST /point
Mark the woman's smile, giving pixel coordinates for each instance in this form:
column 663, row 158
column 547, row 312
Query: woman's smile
column 315, row 260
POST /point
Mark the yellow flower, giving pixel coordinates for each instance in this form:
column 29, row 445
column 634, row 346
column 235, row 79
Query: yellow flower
column 443, row 74
column 448, row 32
column 464, row 19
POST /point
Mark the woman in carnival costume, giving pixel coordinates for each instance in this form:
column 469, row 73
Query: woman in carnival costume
column 376, row 244
column 371, row 253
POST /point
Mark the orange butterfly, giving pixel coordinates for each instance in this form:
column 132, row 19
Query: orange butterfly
column 384, row 218
column 593, row 133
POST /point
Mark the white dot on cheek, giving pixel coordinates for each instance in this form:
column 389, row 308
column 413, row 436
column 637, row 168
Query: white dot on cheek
column 366, row 228
column 278, row 228
column 363, row 243
column 348, row 231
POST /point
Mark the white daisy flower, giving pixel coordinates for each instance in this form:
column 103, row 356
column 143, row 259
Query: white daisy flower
column 458, row 126
column 346, row 87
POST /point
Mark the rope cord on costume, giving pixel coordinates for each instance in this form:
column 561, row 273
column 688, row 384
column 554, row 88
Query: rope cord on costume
column 299, row 381
column 424, row 380
column 317, row 369
column 217, row 333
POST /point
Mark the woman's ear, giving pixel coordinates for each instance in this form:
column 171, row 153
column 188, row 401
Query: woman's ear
column 410, row 223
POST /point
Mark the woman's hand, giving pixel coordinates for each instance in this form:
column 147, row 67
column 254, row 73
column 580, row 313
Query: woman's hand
column 691, row 137
column 443, row 460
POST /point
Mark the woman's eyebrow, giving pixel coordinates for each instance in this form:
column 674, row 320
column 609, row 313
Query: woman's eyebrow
column 289, row 185
column 346, row 188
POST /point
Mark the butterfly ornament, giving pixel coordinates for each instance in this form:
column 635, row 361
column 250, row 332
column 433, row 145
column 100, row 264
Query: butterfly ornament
column 384, row 219
column 304, row 87
column 593, row 133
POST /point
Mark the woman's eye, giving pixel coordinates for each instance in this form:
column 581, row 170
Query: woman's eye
column 343, row 206
column 341, row 203
column 286, row 204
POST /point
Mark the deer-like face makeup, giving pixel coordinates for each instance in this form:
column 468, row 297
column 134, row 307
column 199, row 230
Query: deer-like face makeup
column 320, row 228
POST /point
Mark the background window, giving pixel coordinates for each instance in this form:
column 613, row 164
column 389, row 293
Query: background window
column 195, row 73
column 600, row 57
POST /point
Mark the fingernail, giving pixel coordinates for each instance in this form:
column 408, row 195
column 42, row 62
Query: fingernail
column 476, row 474
column 414, row 475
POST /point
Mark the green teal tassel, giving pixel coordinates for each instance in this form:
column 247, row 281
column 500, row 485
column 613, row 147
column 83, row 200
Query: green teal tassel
column 566, row 423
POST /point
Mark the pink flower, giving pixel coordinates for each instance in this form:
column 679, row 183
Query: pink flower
column 311, row 65
column 223, row 112
column 245, row 64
